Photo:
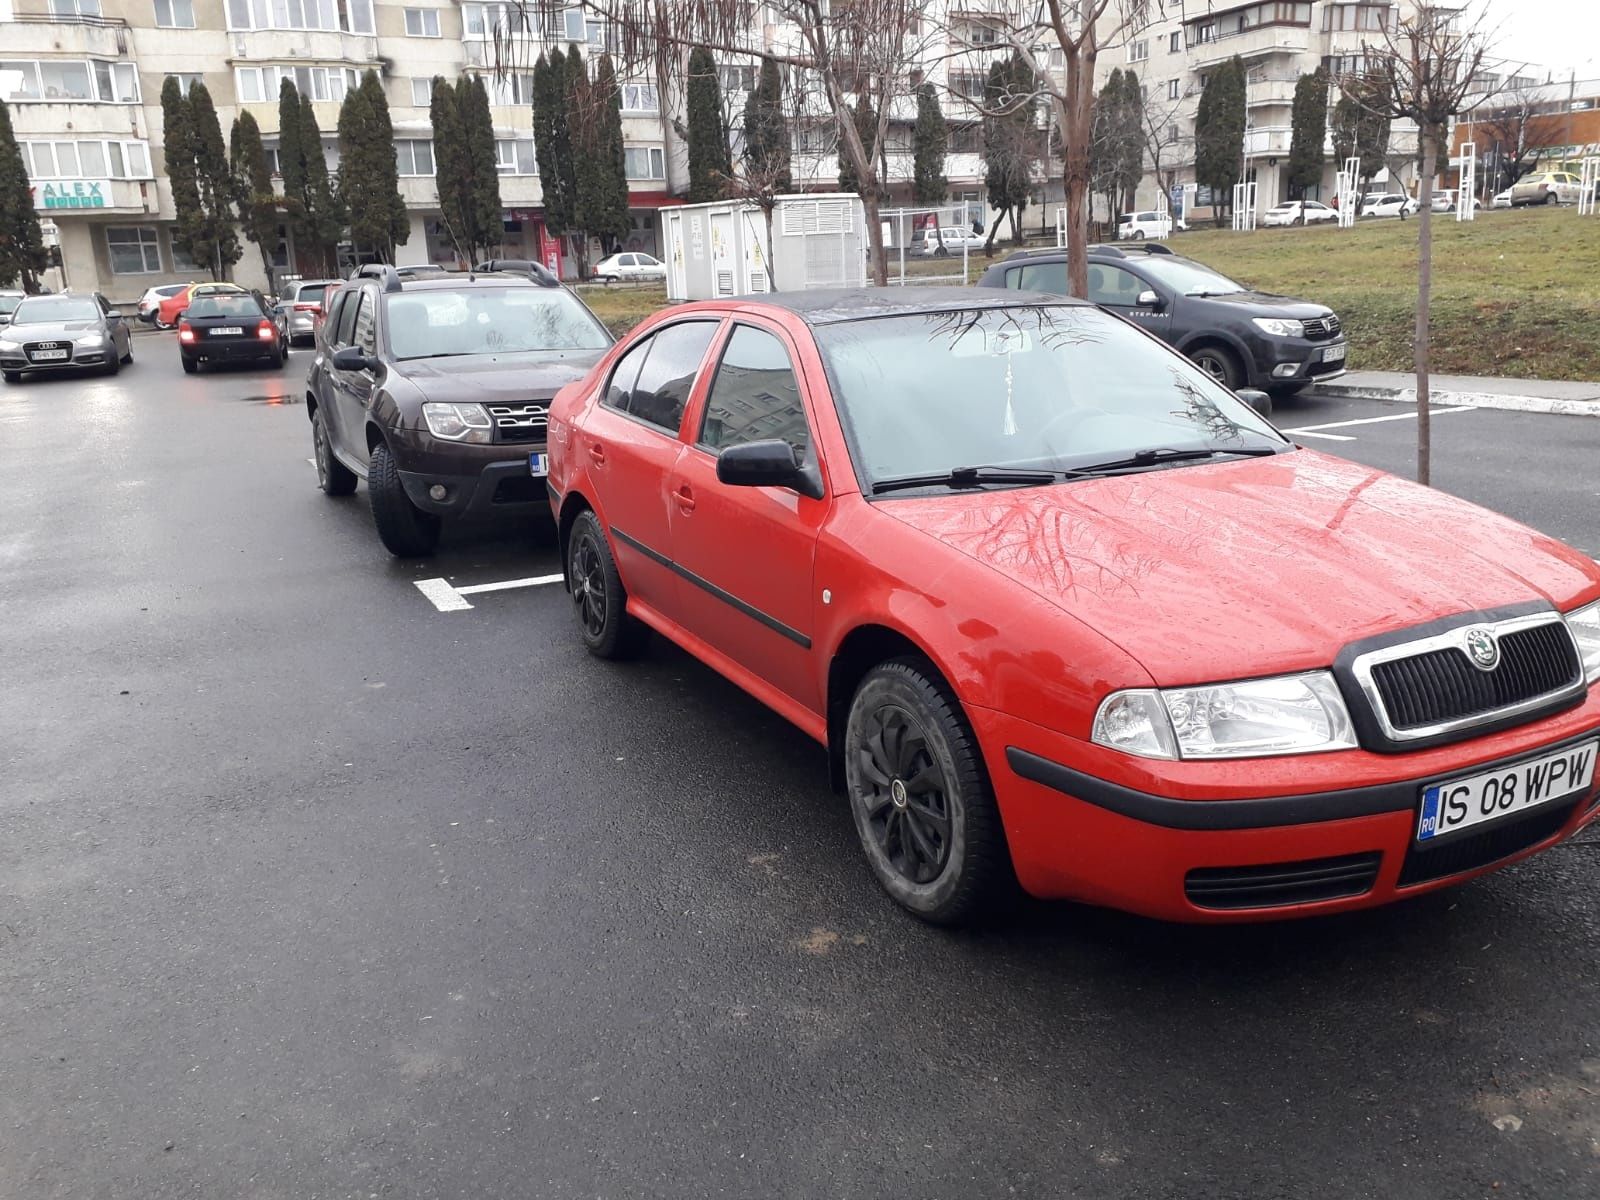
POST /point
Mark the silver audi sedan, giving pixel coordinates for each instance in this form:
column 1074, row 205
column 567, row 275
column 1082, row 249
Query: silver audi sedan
column 65, row 332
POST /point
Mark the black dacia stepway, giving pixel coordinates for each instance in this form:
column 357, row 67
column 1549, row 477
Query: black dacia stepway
column 1241, row 338
column 436, row 391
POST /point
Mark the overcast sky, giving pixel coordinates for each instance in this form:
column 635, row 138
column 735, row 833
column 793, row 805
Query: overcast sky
column 1555, row 35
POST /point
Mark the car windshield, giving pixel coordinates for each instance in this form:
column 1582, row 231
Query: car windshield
column 225, row 306
column 48, row 310
column 1189, row 277
column 1047, row 387
column 8, row 303
column 434, row 324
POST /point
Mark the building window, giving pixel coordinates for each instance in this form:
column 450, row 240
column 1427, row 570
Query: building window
column 644, row 162
column 117, row 83
column 186, row 79
column 488, row 20
column 75, row 8
column 514, row 156
column 1139, row 51
column 422, row 22
column 640, row 98
column 966, row 139
column 350, row 16
column 134, row 249
column 737, row 77
column 602, row 36
column 421, row 92
column 414, row 156
column 816, row 139
column 175, row 14
column 565, row 24
column 1172, row 89
column 1175, row 41
column 262, row 84
column 1172, row 134
column 967, row 83
column 510, row 89
column 95, row 159
column 1367, row 18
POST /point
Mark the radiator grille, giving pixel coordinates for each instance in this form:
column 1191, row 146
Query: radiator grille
column 519, row 422
column 1443, row 685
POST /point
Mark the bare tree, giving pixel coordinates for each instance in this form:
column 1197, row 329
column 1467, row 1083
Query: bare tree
column 1515, row 127
column 1433, row 61
column 851, row 51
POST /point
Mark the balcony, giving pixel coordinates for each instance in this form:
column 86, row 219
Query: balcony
column 57, row 198
column 81, row 118
column 316, row 45
column 1270, row 89
column 30, row 34
column 1267, row 140
column 1259, row 42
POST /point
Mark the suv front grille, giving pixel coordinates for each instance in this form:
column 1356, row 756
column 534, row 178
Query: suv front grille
column 519, row 422
column 1322, row 327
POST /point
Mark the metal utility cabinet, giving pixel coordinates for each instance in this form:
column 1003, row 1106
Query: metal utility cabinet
column 720, row 249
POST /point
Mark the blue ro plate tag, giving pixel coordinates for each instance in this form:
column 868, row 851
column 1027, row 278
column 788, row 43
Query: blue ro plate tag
column 539, row 464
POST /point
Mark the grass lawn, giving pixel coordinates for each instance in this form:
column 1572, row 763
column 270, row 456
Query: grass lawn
column 1515, row 293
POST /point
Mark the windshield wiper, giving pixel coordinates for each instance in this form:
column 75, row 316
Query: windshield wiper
column 1152, row 458
column 441, row 354
column 961, row 477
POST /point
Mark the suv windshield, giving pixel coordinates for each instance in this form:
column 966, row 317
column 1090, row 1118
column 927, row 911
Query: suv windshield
column 1056, row 388
column 434, row 324
column 1189, row 277
column 47, row 310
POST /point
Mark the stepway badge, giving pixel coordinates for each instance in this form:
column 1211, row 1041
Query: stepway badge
column 74, row 193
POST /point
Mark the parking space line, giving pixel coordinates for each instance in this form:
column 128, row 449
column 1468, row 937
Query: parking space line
column 1312, row 430
column 445, row 598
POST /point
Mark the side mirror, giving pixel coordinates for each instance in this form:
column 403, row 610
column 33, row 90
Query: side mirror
column 1151, row 299
column 350, row 358
column 1259, row 402
column 769, row 463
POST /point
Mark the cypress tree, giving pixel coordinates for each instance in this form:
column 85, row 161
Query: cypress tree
column 583, row 141
column 368, row 206
column 177, row 146
column 480, row 202
column 1219, row 133
column 552, row 145
column 291, row 162
column 766, row 132
column 384, row 182
column 930, row 142
column 450, row 164
column 324, row 216
column 1310, row 132
column 607, row 216
column 22, row 250
column 709, row 165
column 215, row 243
column 252, row 184
column 1008, row 95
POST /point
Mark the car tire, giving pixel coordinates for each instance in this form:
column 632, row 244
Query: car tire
column 333, row 477
column 1551, row 198
column 599, row 600
column 1137, row 235
column 403, row 528
column 921, row 799
column 276, row 361
column 127, row 359
column 160, row 324
column 1219, row 363
column 114, row 365
column 190, row 367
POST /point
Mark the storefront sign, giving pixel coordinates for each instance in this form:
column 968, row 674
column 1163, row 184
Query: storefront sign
column 73, row 193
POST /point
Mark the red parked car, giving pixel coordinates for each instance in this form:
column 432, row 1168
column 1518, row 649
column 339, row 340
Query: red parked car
column 1068, row 614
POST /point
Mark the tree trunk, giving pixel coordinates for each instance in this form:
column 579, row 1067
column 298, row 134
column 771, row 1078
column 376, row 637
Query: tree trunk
column 1424, row 296
column 772, row 279
column 1077, row 125
column 880, row 257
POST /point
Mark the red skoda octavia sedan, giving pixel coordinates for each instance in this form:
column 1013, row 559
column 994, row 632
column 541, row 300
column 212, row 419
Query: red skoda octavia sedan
column 1068, row 614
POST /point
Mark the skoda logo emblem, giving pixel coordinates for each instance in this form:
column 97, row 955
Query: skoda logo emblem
column 1482, row 649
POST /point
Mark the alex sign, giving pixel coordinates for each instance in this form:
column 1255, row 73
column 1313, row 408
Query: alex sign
column 72, row 193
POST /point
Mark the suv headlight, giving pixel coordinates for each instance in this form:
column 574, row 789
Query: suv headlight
column 1278, row 327
column 457, row 422
column 1585, row 626
column 1257, row 718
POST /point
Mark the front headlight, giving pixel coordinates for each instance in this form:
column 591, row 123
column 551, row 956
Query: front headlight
column 457, row 422
column 1278, row 327
column 9, row 343
column 1258, row 718
column 1585, row 626
column 91, row 338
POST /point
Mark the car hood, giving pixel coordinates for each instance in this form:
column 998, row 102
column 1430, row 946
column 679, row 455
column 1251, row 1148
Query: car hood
column 485, row 378
column 1250, row 567
column 53, row 331
column 1266, row 304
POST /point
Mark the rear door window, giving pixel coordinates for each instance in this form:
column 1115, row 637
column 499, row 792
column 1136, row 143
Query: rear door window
column 668, row 374
column 619, row 391
column 347, row 319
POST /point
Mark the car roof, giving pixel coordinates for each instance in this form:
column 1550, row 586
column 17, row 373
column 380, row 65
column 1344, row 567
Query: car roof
column 832, row 306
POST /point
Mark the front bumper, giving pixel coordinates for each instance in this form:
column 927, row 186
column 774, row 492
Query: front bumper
column 1284, row 362
column 1246, row 841
column 478, row 479
column 81, row 356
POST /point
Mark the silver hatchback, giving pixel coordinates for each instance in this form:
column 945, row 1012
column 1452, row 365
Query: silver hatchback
column 301, row 303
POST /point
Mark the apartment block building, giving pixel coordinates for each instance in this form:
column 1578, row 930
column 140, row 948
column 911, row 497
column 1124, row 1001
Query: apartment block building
column 83, row 80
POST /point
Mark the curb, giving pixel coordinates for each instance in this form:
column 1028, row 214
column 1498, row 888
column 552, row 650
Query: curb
column 1547, row 405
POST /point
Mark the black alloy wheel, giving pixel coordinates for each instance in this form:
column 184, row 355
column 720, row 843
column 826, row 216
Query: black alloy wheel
column 333, row 477
column 921, row 799
column 599, row 600
column 1219, row 364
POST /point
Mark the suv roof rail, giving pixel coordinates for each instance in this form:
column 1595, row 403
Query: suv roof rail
column 383, row 271
column 1130, row 249
column 534, row 270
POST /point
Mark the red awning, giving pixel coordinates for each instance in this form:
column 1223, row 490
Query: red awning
column 653, row 200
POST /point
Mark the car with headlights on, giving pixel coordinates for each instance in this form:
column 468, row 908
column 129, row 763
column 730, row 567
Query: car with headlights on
column 69, row 331
column 1238, row 336
column 1066, row 613
column 436, row 389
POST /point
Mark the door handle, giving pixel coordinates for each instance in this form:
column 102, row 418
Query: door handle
column 685, row 498
column 597, row 452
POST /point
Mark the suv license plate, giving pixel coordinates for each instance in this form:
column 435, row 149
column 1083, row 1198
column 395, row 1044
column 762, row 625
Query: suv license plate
column 227, row 331
column 1334, row 353
column 1461, row 803
column 539, row 464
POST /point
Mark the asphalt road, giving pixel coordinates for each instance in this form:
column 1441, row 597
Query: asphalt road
column 309, row 889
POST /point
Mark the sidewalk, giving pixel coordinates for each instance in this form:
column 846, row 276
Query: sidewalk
column 1565, row 397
